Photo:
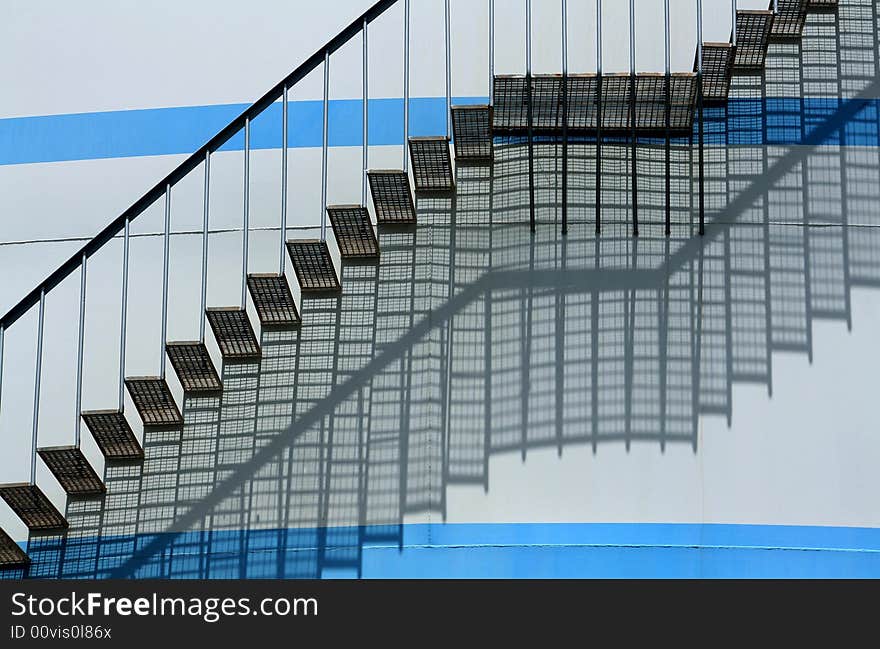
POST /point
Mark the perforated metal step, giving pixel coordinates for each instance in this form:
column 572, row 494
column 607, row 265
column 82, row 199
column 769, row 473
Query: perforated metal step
column 313, row 266
column 113, row 435
column 194, row 367
column 354, row 232
column 510, row 112
column 11, row 555
column 392, row 197
column 273, row 301
column 32, row 506
column 753, row 29
column 472, row 134
column 790, row 19
column 72, row 470
column 234, row 334
column 153, row 401
column 717, row 71
column 431, row 163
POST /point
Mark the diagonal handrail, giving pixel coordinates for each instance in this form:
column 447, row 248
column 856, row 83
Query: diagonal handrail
column 224, row 135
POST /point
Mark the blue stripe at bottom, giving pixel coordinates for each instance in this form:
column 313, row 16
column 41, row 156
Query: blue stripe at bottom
column 478, row 550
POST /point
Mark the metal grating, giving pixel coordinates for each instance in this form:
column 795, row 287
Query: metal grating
column 153, row 401
column 273, row 300
column 717, row 70
column 313, row 266
column 354, row 231
column 431, row 163
column 234, row 334
column 472, row 133
column 581, row 91
column 651, row 95
column 113, row 435
column 821, row 4
column 72, row 470
column 752, row 37
column 32, row 506
column 11, row 555
column 391, row 196
column 194, row 367
column 790, row 19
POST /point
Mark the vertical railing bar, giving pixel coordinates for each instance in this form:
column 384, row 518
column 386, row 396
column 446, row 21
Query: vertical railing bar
column 733, row 34
column 165, row 267
column 366, row 126
column 632, row 101
column 2, row 332
column 123, row 319
column 448, row 70
column 79, row 350
column 203, row 304
column 668, row 116
column 491, row 52
column 530, row 115
column 37, row 378
column 325, row 146
column 245, row 233
column 405, row 84
column 284, row 126
column 564, row 117
column 598, row 116
column 702, row 177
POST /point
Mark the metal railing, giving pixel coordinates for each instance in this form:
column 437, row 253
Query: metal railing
column 280, row 92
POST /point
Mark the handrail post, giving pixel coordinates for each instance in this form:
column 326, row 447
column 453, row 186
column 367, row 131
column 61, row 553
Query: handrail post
column 598, row 117
column 366, row 127
column 203, row 304
column 79, row 351
column 284, row 127
column 405, row 84
column 633, row 116
column 123, row 316
column 2, row 333
column 564, row 117
column 37, row 377
column 733, row 34
column 165, row 267
column 530, row 115
column 324, row 146
column 448, row 70
column 491, row 52
column 701, row 171
column 245, row 238
column 668, row 116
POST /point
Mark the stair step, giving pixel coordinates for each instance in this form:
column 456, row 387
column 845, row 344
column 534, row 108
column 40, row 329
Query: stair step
column 717, row 71
column 32, row 506
column 510, row 113
column 273, row 301
column 313, row 266
column 354, row 231
column 72, row 470
column 113, row 435
column 153, row 401
column 234, row 334
column 11, row 555
column 194, row 367
column 392, row 197
column 431, row 163
column 790, row 19
column 472, row 133
column 819, row 5
column 753, row 29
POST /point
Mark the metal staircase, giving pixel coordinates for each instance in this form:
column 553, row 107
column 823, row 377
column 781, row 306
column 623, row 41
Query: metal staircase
column 572, row 109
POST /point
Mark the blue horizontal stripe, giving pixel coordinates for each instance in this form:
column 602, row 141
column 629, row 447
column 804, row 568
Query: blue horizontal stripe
column 484, row 550
column 182, row 130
